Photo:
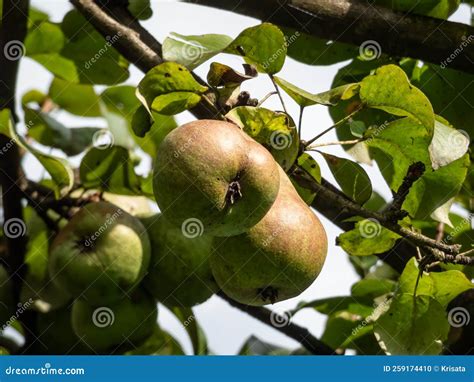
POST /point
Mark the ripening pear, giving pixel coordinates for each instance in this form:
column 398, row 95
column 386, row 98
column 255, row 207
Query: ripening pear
column 179, row 273
column 276, row 259
column 107, row 326
column 101, row 254
column 211, row 173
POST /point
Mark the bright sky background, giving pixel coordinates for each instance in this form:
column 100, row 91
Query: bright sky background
column 227, row 328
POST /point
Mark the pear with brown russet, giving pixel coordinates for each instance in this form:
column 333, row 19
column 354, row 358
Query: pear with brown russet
column 276, row 259
column 212, row 173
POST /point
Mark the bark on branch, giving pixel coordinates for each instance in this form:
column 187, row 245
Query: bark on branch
column 298, row 333
column 12, row 33
column 355, row 22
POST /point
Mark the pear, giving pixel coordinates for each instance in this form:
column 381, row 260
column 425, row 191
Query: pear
column 100, row 255
column 179, row 273
column 56, row 335
column 276, row 259
column 124, row 323
column 211, row 176
column 7, row 301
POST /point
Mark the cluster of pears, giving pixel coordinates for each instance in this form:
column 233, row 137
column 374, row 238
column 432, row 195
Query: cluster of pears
column 266, row 243
column 230, row 220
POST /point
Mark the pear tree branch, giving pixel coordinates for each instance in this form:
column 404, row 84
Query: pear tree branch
column 357, row 22
column 298, row 333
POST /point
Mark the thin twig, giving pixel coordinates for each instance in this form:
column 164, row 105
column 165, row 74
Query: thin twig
column 300, row 121
column 265, row 98
column 338, row 123
column 298, row 333
column 277, row 89
column 335, row 143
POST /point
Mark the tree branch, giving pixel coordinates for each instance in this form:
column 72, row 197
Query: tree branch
column 344, row 203
column 298, row 333
column 355, row 22
column 136, row 44
column 12, row 33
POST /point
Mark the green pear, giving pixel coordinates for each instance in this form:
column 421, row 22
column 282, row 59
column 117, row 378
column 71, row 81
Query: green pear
column 276, row 259
column 210, row 176
column 7, row 302
column 101, row 254
column 125, row 323
column 179, row 272
column 56, row 336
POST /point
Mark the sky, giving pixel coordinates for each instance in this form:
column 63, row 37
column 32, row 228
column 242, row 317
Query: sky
column 228, row 328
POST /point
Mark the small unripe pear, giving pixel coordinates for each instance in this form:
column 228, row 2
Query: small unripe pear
column 179, row 273
column 101, row 254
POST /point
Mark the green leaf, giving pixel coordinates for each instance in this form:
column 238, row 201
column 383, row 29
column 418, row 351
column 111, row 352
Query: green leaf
column 110, row 169
column 329, row 98
column 94, row 57
column 74, row 51
column 198, row 338
column 128, row 119
column 174, row 103
column 448, row 144
column 442, row 286
column 170, row 88
column 59, row 169
column 37, row 246
column 140, row 9
column 263, row 45
column 367, row 238
column 75, row 98
column 412, row 325
column 372, row 288
column 389, row 89
column 352, row 178
column 403, row 142
column 308, row 164
column 274, row 130
column 330, row 305
column 316, row 51
column 449, row 93
column 339, row 327
column 49, row 132
column 300, row 96
column 192, row 51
